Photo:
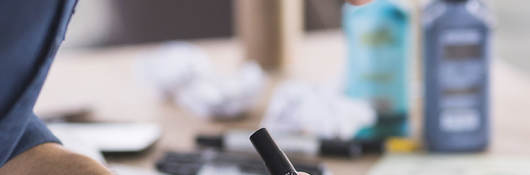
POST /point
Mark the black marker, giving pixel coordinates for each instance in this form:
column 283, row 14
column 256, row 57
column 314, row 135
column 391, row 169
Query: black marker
column 276, row 161
column 293, row 145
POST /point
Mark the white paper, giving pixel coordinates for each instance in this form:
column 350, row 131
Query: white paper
column 428, row 164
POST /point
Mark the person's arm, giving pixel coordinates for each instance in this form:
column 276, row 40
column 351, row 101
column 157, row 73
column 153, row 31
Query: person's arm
column 51, row 158
column 30, row 34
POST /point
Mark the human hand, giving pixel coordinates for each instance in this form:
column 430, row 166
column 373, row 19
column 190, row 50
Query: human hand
column 302, row 173
column 52, row 158
column 358, row 2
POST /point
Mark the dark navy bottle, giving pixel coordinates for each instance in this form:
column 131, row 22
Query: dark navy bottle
column 456, row 66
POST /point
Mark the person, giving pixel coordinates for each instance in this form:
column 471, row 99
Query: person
column 29, row 37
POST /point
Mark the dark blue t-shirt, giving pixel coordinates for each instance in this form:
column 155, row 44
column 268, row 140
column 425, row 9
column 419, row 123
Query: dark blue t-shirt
column 30, row 34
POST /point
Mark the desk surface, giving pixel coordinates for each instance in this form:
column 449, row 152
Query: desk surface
column 107, row 81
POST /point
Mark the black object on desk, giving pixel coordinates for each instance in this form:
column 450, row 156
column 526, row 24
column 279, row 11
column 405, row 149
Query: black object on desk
column 196, row 163
column 237, row 141
column 276, row 161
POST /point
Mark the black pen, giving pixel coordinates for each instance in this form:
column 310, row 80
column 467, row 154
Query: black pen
column 275, row 160
column 294, row 145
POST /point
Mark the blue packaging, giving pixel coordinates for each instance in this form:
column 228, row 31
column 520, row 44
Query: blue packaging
column 378, row 40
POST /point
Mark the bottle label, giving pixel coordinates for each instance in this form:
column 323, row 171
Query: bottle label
column 377, row 65
column 460, row 77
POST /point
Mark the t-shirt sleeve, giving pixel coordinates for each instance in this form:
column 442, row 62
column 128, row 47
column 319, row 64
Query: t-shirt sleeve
column 30, row 34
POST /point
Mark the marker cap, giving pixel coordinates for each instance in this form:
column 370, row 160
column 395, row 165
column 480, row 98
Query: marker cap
column 275, row 160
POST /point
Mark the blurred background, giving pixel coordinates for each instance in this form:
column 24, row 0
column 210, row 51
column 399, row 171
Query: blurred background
column 128, row 22
column 176, row 87
column 101, row 23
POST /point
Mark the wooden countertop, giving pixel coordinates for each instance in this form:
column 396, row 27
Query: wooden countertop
column 107, row 81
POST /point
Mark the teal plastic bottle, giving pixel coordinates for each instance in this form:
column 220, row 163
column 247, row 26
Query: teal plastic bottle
column 377, row 67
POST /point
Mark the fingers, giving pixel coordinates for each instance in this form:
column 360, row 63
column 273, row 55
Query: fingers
column 358, row 2
column 302, row 173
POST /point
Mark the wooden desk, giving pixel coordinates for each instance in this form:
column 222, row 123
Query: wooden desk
column 106, row 80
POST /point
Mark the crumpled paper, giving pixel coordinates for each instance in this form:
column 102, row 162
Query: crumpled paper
column 298, row 107
column 184, row 73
